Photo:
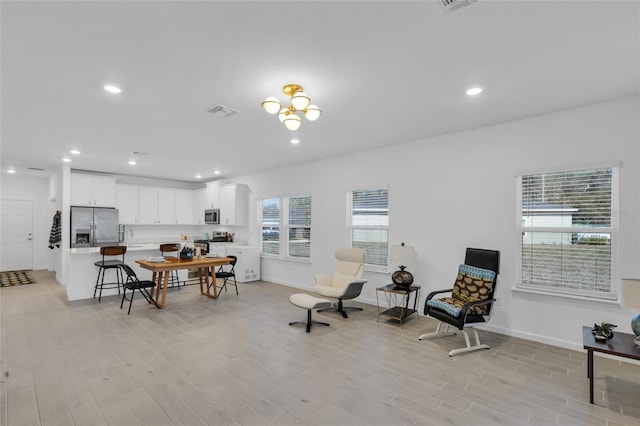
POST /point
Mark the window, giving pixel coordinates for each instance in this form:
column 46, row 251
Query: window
column 292, row 215
column 271, row 226
column 299, row 227
column 568, row 227
column 369, row 221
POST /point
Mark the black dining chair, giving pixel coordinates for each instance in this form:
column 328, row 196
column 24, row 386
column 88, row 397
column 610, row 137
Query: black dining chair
column 133, row 284
column 227, row 274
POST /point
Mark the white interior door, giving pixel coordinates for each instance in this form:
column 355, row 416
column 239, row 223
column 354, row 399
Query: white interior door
column 16, row 240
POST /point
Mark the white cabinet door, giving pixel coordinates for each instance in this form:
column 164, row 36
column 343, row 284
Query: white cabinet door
column 147, row 206
column 127, row 204
column 212, row 196
column 104, row 191
column 199, row 205
column 81, row 190
column 166, row 207
column 184, row 207
column 93, row 191
column 233, row 204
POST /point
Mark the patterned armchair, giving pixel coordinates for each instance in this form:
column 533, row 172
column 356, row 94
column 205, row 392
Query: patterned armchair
column 471, row 298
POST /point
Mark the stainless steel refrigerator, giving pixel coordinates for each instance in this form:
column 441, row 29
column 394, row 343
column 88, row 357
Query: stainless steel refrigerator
column 94, row 227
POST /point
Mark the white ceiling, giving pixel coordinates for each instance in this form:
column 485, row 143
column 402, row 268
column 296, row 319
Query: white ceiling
column 383, row 73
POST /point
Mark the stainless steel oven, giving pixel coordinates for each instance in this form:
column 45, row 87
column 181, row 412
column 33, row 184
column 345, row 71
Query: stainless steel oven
column 216, row 238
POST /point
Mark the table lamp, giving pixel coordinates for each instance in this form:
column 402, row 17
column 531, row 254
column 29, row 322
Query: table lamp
column 405, row 257
column 630, row 298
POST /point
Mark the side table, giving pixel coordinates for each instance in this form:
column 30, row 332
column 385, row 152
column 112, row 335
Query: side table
column 620, row 345
column 398, row 301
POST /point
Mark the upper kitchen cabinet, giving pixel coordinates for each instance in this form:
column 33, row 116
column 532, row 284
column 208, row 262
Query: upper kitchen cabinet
column 93, row 190
column 184, row 207
column 127, row 204
column 212, row 196
column 156, row 206
column 233, row 204
column 199, row 206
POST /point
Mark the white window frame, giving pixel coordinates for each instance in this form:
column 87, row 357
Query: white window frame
column 262, row 224
column 288, row 227
column 612, row 230
column 351, row 227
column 283, row 228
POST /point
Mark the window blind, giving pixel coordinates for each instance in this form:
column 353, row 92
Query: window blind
column 568, row 231
column 370, row 224
column 270, row 234
column 299, row 222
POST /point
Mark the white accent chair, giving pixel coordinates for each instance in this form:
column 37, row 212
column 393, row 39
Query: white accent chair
column 345, row 284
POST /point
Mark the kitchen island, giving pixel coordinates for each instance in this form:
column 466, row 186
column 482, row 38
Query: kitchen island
column 79, row 278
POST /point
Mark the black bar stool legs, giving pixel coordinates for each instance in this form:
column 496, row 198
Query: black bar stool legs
column 104, row 265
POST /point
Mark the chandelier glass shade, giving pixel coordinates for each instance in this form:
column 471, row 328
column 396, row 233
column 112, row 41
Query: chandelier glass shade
column 298, row 102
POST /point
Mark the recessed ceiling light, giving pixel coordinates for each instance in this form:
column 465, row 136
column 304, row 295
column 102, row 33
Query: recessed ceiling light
column 75, row 152
column 132, row 162
column 198, row 176
column 216, row 172
column 66, row 160
column 112, row 89
column 474, row 91
column 11, row 171
column 295, row 141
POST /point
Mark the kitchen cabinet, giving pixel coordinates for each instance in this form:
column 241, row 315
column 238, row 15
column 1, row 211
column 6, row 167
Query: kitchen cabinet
column 247, row 267
column 156, row 206
column 93, row 190
column 233, row 204
column 166, row 207
column 212, row 196
column 127, row 204
column 184, row 207
column 199, row 206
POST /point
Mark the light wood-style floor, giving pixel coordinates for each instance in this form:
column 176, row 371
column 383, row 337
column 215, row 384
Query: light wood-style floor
column 235, row 360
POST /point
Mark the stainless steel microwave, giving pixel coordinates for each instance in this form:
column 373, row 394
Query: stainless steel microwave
column 212, row 216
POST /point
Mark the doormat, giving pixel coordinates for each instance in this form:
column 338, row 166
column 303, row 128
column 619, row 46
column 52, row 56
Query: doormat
column 9, row 279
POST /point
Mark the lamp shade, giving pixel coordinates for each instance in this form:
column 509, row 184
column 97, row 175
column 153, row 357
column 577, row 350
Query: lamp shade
column 312, row 112
column 283, row 114
column 300, row 100
column 271, row 105
column 630, row 297
column 403, row 256
column 292, row 121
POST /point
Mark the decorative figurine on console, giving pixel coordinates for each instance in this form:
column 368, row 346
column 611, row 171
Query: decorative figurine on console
column 603, row 331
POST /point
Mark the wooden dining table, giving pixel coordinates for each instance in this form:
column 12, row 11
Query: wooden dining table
column 162, row 270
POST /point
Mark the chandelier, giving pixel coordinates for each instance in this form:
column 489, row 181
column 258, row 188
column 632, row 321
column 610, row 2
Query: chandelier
column 298, row 102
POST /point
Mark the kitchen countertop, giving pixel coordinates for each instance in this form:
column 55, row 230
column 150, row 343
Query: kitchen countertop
column 130, row 247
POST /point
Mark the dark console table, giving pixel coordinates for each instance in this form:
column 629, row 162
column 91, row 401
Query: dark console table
column 621, row 344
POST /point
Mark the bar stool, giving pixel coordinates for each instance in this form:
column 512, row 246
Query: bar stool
column 171, row 248
column 104, row 264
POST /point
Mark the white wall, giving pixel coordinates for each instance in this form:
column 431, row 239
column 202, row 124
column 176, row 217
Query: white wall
column 446, row 193
column 459, row 190
column 15, row 187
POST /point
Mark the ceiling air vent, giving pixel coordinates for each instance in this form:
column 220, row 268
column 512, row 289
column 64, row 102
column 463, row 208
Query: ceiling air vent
column 35, row 169
column 451, row 5
column 222, row 111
